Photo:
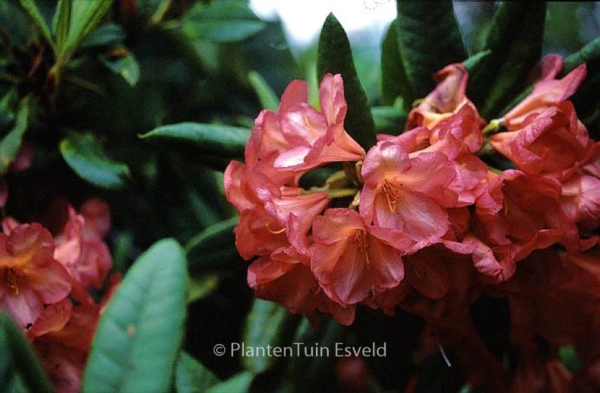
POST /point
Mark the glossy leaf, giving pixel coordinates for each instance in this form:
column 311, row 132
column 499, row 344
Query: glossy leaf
column 394, row 81
column 226, row 21
column 239, row 383
column 215, row 139
column 267, row 97
column 335, row 57
column 138, row 337
column 515, row 40
column 191, row 376
column 264, row 327
column 124, row 65
column 76, row 21
column 22, row 358
column 36, row 17
column 84, row 154
column 213, row 249
column 429, row 39
column 11, row 143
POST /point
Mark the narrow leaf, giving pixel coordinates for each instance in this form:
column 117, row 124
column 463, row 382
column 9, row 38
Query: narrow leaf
column 429, row 40
column 264, row 327
column 335, row 57
column 191, row 376
column 267, row 97
column 84, row 17
column 219, row 140
column 138, row 337
column 62, row 22
column 84, row 154
column 109, row 34
column 11, row 143
column 475, row 61
column 394, row 81
column 515, row 39
column 24, row 359
column 213, row 248
column 590, row 53
column 226, row 21
column 36, row 17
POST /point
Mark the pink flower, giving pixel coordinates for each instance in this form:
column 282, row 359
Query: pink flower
column 348, row 261
column 301, row 137
column 447, row 99
column 29, row 275
column 405, row 198
column 548, row 91
column 580, row 201
column 553, row 143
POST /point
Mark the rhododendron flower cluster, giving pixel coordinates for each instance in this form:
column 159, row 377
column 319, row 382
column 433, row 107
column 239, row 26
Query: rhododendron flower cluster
column 425, row 220
column 45, row 283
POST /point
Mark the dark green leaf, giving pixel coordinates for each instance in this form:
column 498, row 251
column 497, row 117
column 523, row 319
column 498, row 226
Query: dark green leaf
column 213, row 249
column 84, row 154
column 139, row 334
column 429, row 39
column 36, row 17
column 108, row 34
column 515, row 40
column 389, row 119
column 191, row 376
column 335, row 57
column 264, row 327
column 125, row 65
column 20, row 353
column 568, row 357
column 239, row 383
column 474, row 61
column 225, row 141
column 225, row 21
column 589, row 53
column 394, row 81
column 200, row 287
column 266, row 96
column 62, row 22
column 11, row 143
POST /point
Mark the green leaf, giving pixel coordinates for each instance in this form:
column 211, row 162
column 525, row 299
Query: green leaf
column 191, row 376
column 389, row 119
column 394, row 81
column 124, row 65
column 21, row 355
column 265, row 94
column 568, row 357
column 224, row 21
column 224, row 141
column 75, row 21
column 475, row 61
column 335, row 57
column 239, row 383
column 213, row 249
column 109, row 34
column 11, row 143
column 429, row 39
column 515, row 39
column 201, row 287
column 589, row 53
column 84, row 154
column 29, row 7
column 264, row 327
column 138, row 338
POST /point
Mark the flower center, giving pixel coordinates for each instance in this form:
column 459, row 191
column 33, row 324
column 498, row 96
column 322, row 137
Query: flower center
column 391, row 195
column 12, row 278
column 360, row 239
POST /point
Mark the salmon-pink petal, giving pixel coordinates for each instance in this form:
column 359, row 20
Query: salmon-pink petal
column 331, row 98
column 24, row 309
column 52, row 319
column 296, row 92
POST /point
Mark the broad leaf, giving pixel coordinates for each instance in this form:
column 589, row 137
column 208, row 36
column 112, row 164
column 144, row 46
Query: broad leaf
column 124, row 65
column 139, row 335
column 335, row 57
column 36, row 17
column 84, row 154
column 226, row 21
column 11, row 143
column 191, row 376
column 220, row 140
column 265, row 326
column 266, row 96
column 429, row 39
column 515, row 40
column 239, row 383
column 19, row 359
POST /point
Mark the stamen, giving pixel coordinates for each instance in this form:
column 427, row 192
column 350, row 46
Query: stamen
column 275, row 232
column 12, row 279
